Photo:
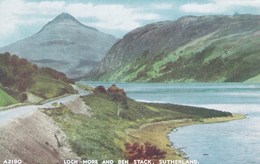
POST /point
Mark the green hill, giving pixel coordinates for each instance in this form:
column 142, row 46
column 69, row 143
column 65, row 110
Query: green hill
column 47, row 87
column 6, row 99
column 191, row 49
column 19, row 76
column 103, row 135
column 226, row 59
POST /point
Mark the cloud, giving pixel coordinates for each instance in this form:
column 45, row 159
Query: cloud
column 44, row 7
column 202, row 8
column 239, row 3
column 162, row 6
column 8, row 19
column 14, row 13
column 219, row 6
column 111, row 16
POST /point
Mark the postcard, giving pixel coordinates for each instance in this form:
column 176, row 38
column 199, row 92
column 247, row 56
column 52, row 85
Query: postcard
column 129, row 82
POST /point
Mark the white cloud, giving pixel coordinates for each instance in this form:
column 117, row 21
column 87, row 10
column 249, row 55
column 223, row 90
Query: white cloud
column 219, row 6
column 14, row 13
column 162, row 6
column 8, row 18
column 241, row 3
column 111, row 16
column 44, row 7
column 202, row 8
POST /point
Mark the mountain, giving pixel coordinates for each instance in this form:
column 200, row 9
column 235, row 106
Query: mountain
column 64, row 44
column 190, row 49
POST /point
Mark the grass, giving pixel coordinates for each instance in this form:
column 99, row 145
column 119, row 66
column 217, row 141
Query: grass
column 255, row 79
column 85, row 87
column 103, row 135
column 230, row 58
column 46, row 87
column 6, row 99
column 92, row 138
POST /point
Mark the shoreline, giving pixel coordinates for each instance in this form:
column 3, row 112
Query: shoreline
column 158, row 133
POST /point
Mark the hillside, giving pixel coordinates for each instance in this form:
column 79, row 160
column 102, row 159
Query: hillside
column 19, row 77
column 190, row 49
column 98, row 126
column 6, row 99
column 102, row 135
column 64, row 44
column 34, row 139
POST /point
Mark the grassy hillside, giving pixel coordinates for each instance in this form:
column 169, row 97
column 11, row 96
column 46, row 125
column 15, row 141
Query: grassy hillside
column 6, row 99
column 103, row 135
column 19, row 76
column 233, row 58
column 190, row 49
column 46, row 87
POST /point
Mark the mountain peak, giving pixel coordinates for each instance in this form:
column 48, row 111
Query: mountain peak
column 64, row 16
column 64, row 19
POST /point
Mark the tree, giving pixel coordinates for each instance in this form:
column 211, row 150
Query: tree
column 114, row 89
column 23, row 97
column 100, row 89
column 146, row 151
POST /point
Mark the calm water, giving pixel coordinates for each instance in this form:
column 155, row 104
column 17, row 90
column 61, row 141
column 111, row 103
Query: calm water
column 227, row 143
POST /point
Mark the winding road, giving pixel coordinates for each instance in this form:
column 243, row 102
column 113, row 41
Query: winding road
column 11, row 114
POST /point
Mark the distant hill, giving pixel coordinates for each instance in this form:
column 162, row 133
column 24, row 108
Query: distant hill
column 64, row 44
column 190, row 49
column 18, row 77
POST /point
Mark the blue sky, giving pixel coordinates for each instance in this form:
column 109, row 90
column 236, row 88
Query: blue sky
column 22, row 18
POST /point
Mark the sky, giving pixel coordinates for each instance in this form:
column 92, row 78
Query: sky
column 22, row 18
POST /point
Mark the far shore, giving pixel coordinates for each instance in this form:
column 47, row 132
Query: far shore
column 157, row 133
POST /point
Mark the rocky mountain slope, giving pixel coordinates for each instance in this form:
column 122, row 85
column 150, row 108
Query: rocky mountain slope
column 34, row 139
column 191, row 49
column 65, row 45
